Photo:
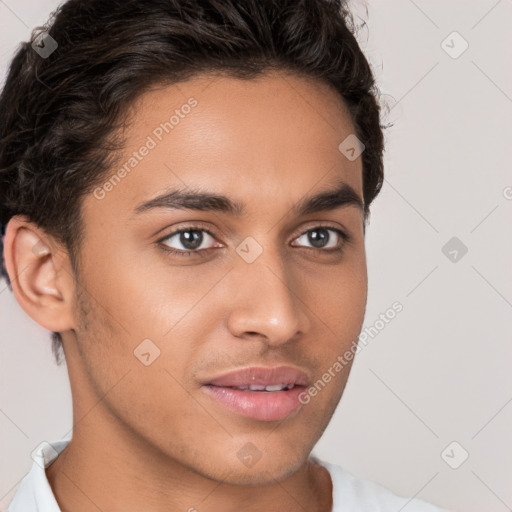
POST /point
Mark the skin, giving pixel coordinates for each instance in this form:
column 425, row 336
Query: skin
column 150, row 435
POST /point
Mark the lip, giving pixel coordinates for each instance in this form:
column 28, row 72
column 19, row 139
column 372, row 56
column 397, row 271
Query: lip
column 261, row 375
column 259, row 405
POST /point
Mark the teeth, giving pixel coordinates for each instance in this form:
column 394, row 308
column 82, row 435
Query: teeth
column 256, row 387
column 259, row 387
column 276, row 387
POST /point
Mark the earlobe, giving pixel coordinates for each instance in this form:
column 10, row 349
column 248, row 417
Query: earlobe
column 40, row 274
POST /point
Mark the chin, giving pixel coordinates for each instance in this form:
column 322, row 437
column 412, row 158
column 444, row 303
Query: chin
column 256, row 478
column 266, row 471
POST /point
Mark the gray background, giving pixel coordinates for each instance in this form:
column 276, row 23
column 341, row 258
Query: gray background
column 440, row 371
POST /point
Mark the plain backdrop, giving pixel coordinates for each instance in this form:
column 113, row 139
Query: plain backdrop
column 433, row 386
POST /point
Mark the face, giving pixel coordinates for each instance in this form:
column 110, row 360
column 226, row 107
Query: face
column 170, row 297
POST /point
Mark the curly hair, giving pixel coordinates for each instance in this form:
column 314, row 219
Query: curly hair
column 61, row 114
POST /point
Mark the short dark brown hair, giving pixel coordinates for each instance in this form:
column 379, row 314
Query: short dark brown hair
column 61, row 115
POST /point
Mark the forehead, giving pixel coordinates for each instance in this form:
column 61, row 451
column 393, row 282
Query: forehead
column 270, row 139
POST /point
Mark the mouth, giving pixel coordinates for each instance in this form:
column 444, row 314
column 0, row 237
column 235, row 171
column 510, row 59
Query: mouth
column 259, row 393
column 258, row 387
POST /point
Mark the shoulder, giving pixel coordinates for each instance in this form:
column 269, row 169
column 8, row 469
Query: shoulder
column 357, row 494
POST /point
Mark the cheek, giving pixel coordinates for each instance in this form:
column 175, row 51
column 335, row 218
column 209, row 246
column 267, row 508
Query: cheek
column 338, row 298
column 147, row 398
column 141, row 298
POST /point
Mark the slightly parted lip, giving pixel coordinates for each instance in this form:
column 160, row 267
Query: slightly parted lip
column 261, row 375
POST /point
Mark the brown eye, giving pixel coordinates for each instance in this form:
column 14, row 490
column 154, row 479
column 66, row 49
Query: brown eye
column 323, row 238
column 188, row 241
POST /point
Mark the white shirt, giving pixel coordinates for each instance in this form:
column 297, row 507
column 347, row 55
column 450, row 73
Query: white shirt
column 350, row 494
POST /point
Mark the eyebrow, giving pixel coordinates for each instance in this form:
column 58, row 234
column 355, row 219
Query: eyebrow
column 341, row 196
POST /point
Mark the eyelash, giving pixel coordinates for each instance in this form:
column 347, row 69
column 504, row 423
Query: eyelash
column 203, row 252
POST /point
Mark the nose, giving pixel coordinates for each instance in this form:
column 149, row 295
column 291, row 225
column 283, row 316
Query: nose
column 268, row 302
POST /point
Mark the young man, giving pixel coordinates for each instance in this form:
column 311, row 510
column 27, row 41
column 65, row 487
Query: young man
column 185, row 187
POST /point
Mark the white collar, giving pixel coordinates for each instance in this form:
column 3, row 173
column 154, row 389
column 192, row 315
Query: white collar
column 34, row 492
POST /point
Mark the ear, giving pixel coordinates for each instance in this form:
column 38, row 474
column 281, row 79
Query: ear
column 40, row 272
